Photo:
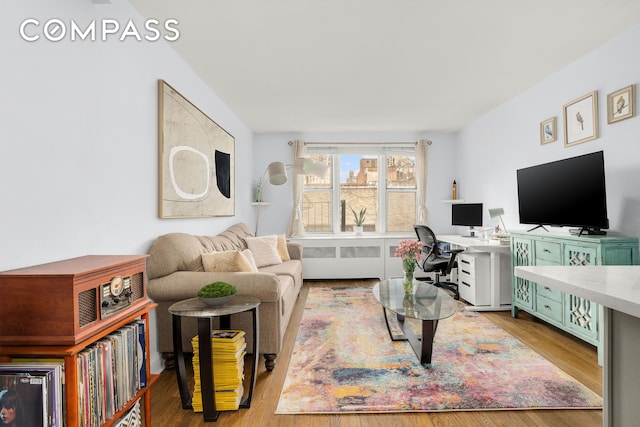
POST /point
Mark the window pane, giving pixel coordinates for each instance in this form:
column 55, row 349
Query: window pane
column 316, row 211
column 312, row 181
column 358, row 191
column 401, row 211
column 400, row 172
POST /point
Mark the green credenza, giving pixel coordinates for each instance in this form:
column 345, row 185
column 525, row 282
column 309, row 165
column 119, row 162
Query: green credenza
column 577, row 316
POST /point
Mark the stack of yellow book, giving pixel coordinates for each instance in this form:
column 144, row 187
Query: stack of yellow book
column 228, row 349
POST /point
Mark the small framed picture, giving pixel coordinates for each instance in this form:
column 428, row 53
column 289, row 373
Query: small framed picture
column 620, row 104
column 548, row 131
column 581, row 119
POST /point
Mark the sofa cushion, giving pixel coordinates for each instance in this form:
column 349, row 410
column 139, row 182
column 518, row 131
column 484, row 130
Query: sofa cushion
column 249, row 255
column 226, row 261
column 288, row 268
column 183, row 252
column 174, row 252
column 282, row 248
column 264, row 250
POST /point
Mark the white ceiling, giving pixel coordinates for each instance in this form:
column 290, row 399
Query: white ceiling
column 381, row 65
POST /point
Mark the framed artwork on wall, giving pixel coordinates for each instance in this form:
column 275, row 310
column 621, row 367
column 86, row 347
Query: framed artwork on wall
column 195, row 160
column 548, row 131
column 620, row 104
column 581, row 119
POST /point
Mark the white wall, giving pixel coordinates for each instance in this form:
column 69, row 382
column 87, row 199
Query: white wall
column 272, row 147
column 491, row 149
column 78, row 139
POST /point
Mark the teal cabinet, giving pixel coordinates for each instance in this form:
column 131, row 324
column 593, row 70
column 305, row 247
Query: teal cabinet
column 572, row 314
column 522, row 254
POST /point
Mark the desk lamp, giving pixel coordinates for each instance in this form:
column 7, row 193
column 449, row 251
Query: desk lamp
column 498, row 212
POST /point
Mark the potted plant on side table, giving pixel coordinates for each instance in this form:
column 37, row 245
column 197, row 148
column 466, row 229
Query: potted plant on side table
column 217, row 294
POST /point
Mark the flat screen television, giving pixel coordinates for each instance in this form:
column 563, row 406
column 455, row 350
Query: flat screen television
column 569, row 192
column 467, row 214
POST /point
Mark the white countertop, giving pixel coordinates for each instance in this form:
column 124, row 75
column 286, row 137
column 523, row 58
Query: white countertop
column 475, row 243
column 615, row 286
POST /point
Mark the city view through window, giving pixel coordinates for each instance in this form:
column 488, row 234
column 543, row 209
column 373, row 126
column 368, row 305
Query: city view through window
column 362, row 189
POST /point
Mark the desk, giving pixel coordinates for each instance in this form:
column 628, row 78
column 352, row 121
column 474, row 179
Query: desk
column 500, row 281
column 617, row 289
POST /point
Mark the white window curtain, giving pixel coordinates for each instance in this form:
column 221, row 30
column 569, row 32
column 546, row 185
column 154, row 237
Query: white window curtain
column 421, row 180
column 296, row 227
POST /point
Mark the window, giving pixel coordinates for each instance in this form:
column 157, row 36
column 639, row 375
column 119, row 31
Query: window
column 386, row 194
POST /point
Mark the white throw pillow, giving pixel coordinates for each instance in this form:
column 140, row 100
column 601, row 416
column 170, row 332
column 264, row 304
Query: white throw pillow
column 247, row 253
column 226, row 261
column 264, row 250
column 282, row 248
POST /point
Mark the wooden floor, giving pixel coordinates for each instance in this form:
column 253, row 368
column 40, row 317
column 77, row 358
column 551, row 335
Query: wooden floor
column 574, row 356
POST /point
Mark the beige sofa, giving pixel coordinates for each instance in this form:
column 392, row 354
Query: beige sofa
column 175, row 272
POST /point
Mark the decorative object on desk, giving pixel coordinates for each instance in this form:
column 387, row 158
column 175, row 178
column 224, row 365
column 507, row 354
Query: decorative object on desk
column 548, row 131
column 358, row 219
column 620, row 104
column 409, row 252
column 454, row 191
column 196, row 160
column 502, row 235
column 217, row 294
column 581, row 119
column 356, row 368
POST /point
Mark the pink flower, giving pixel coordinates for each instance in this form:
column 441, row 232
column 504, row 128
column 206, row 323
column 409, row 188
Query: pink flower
column 409, row 250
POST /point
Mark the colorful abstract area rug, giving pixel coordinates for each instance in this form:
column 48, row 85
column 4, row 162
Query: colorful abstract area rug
column 343, row 361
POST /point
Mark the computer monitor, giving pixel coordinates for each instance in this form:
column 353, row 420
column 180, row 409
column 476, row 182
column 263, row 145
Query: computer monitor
column 467, row 214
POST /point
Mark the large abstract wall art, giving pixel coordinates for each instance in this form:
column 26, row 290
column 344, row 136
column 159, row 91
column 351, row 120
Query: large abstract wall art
column 196, row 160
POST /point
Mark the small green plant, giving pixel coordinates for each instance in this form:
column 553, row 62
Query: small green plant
column 216, row 290
column 358, row 218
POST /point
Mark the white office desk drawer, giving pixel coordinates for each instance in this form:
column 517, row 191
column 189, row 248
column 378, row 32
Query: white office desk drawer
column 474, row 278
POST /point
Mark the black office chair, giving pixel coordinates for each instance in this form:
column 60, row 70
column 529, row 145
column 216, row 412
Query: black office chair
column 432, row 260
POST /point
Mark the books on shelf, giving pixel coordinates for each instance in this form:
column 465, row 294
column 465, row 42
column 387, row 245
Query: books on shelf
column 109, row 372
column 38, row 386
column 228, row 348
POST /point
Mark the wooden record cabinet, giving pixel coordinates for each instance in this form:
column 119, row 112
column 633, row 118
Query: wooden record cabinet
column 58, row 309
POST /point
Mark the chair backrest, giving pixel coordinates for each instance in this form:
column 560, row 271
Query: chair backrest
column 429, row 241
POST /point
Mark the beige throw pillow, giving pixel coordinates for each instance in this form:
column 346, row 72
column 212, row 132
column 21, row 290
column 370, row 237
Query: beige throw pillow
column 282, row 248
column 247, row 253
column 264, row 250
column 226, row 261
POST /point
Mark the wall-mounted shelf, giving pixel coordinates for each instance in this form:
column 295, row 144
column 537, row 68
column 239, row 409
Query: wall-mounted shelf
column 453, row 201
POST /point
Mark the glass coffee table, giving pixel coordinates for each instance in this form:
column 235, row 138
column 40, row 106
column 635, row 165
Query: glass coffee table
column 428, row 304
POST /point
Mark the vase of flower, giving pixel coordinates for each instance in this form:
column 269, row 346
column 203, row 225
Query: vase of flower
column 409, row 307
column 409, row 252
column 408, row 283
